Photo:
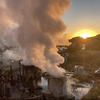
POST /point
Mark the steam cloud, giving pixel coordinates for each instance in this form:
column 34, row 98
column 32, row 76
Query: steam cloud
column 34, row 27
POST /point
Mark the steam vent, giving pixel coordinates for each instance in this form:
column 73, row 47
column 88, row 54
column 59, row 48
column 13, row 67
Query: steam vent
column 43, row 59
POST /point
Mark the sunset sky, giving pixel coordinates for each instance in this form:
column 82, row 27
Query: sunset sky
column 83, row 14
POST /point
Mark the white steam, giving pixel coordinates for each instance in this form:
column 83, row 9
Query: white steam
column 33, row 25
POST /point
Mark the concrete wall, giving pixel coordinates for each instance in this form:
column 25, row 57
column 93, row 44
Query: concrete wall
column 57, row 86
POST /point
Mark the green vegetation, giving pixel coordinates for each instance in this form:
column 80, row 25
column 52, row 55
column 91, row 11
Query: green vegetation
column 91, row 43
column 83, row 78
column 88, row 57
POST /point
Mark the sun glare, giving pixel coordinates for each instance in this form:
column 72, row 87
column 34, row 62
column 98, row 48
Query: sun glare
column 85, row 33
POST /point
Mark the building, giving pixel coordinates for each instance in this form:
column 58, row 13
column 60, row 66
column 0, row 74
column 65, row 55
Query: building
column 31, row 76
column 57, row 86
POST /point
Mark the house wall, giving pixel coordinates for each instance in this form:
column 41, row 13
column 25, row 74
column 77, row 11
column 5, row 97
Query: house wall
column 57, row 86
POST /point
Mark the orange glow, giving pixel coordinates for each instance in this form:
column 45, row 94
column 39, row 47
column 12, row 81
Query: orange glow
column 85, row 33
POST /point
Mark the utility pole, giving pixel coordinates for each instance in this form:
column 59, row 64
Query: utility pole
column 11, row 74
column 20, row 70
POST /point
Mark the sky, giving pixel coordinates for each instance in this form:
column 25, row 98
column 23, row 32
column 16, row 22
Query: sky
column 83, row 14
